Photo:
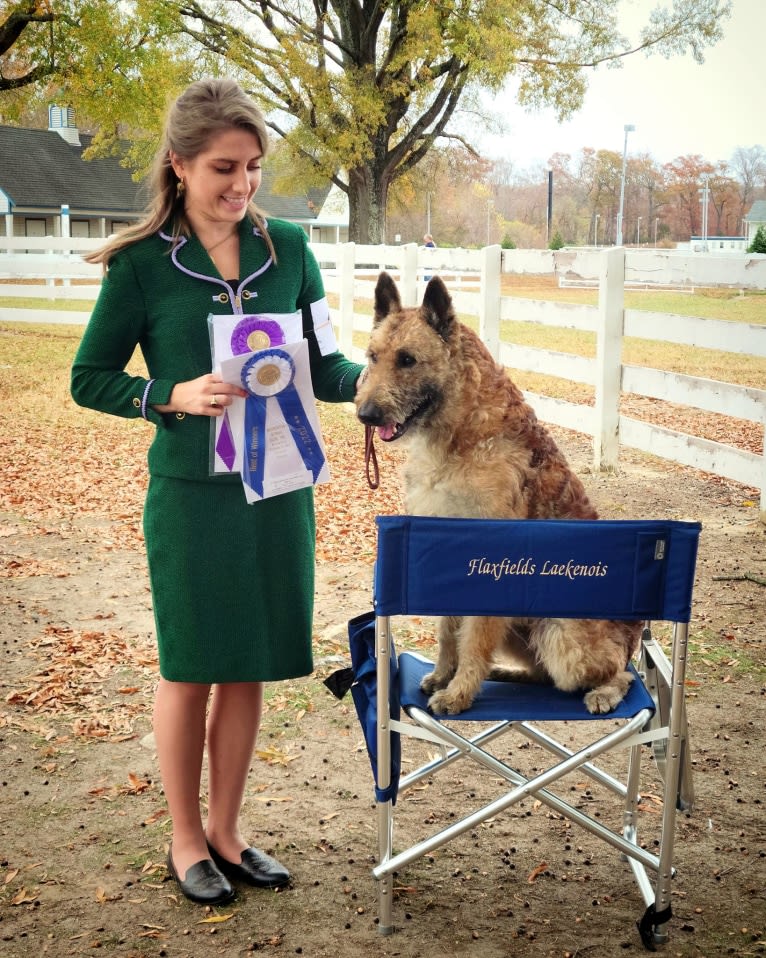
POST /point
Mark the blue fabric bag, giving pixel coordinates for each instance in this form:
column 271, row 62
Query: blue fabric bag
column 361, row 678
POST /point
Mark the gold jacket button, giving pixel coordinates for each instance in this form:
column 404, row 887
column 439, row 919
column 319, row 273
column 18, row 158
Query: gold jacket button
column 180, row 415
column 136, row 402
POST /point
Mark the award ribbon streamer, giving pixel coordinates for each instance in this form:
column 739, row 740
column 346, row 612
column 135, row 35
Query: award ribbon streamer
column 271, row 374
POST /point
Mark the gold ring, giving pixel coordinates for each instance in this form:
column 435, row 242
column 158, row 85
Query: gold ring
column 214, row 401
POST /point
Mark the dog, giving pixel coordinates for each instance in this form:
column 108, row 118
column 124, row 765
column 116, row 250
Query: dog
column 476, row 449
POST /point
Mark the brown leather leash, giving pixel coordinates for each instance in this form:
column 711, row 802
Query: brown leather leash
column 370, row 458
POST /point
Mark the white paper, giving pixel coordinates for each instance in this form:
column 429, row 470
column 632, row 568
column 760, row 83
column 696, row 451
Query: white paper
column 284, row 469
column 325, row 334
column 221, row 329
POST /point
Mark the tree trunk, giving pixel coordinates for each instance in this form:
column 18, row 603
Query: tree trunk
column 367, row 196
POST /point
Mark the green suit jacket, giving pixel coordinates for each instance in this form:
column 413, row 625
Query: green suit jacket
column 159, row 298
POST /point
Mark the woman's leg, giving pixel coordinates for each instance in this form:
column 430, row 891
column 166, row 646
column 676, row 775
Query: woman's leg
column 179, row 732
column 232, row 729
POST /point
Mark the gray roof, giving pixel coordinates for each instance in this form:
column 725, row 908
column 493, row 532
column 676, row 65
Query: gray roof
column 299, row 207
column 757, row 212
column 41, row 170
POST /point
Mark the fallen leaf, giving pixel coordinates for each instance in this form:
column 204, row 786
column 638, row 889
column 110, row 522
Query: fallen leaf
column 536, row 872
column 275, row 756
column 160, row 813
column 102, row 897
column 215, row 919
column 23, row 897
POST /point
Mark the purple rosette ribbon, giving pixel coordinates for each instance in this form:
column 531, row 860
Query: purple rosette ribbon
column 271, row 374
column 252, row 334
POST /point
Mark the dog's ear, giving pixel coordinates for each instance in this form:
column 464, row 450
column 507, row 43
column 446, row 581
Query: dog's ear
column 437, row 307
column 386, row 298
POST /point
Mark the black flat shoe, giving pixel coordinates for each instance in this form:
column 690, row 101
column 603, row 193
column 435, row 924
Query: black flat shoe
column 204, row 883
column 255, row 868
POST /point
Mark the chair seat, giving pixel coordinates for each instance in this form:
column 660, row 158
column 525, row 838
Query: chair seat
column 517, row 701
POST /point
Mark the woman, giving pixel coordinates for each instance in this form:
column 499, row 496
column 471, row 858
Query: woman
column 232, row 583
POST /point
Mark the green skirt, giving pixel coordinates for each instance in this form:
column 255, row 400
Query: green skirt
column 232, row 584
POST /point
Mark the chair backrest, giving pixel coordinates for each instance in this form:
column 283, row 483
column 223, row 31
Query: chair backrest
column 595, row 569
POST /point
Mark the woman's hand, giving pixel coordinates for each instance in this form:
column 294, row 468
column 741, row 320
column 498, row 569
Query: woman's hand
column 206, row 396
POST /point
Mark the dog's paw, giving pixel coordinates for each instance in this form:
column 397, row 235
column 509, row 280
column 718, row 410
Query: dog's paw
column 449, row 702
column 433, row 681
column 598, row 703
column 605, row 698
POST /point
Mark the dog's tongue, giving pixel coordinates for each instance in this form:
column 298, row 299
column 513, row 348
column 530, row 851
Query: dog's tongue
column 386, row 432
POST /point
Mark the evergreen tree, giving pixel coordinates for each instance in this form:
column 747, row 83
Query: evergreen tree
column 556, row 241
column 759, row 241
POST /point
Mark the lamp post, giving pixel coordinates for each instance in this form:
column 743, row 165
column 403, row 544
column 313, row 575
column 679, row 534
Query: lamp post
column 489, row 213
column 629, row 128
column 705, row 199
column 656, row 221
column 638, row 231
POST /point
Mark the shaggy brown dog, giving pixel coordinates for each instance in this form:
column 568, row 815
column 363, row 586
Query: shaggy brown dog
column 477, row 450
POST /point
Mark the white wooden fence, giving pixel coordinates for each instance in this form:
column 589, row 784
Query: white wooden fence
column 474, row 280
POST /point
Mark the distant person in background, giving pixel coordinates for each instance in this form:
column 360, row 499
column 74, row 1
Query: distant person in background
column 428, row 242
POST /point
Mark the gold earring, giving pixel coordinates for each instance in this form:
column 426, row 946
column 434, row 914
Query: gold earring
column 180, row 188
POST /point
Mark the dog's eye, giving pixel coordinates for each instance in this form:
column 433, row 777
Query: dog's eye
column 372, row 358
column 405, row 360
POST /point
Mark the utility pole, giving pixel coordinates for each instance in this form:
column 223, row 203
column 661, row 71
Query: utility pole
column 550, row 207
column 705, row 199
column 629, row 128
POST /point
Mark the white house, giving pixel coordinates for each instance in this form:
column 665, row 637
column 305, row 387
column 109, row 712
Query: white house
column 755, row 218
column 48, row 189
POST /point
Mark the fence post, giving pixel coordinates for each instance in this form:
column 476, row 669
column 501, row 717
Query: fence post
column 762, row 507
column 66, row 233
column 611, row 321
column 346, row 262
column 489, row 301
column 9, row 226
column 409, row 280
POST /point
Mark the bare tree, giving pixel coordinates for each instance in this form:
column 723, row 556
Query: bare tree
column 748, row 165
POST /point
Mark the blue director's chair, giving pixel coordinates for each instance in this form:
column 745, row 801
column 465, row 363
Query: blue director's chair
column 629, row 570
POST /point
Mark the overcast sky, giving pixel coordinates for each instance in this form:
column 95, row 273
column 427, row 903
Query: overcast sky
column 678, row 106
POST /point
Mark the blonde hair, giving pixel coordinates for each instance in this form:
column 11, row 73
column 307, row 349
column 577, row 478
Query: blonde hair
column 205, row 109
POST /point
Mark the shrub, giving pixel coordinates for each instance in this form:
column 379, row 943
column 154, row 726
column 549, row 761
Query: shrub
column 556, row 241
column 759, row 241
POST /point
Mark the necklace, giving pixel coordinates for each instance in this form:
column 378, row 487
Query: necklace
column 209, row 249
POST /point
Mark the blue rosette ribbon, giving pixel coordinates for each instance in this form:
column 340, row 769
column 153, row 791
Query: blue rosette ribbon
column 269, row 374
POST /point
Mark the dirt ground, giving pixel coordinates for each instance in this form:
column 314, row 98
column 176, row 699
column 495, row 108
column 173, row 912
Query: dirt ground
column 84, row 829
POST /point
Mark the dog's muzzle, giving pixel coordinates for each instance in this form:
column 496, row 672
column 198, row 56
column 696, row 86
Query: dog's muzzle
column 371, row 414
column 374, row 416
